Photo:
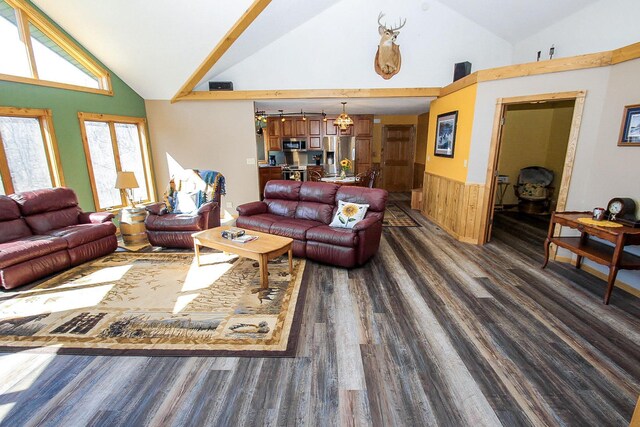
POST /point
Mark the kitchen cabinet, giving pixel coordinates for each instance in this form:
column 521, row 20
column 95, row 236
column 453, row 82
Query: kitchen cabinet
column 300, row 127
column 273, row 144
column 266, row 174
column 315, row 134
column 346, row 132
column 363, row 125
column 329, row 128
column 287, row 128
column 363, row 154
column 274, row 132
column 273, row 126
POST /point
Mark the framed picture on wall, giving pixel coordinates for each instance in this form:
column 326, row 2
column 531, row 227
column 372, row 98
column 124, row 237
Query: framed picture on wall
column 630, row 128
column 446, row 134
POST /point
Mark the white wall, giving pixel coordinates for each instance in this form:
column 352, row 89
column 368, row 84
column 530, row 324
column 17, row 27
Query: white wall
column 605, row 25
column 326, row 52
column 593, row 80
column 602, row 170
column 217, row 135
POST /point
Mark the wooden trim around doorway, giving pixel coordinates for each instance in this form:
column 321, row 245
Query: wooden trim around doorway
column 502, row 103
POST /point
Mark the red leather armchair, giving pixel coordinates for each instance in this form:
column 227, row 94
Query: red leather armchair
column 174, row 230
column 196, row 191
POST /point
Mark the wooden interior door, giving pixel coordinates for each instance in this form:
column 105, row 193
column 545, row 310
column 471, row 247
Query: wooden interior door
column 493, row 167
column 398, row 145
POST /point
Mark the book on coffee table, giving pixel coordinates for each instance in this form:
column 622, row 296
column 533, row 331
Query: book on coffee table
column 244, row 238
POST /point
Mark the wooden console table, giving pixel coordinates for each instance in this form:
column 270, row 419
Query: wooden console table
column 613, row 257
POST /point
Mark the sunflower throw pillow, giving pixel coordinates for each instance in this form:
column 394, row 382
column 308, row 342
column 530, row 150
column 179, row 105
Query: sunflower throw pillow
column 348, row 214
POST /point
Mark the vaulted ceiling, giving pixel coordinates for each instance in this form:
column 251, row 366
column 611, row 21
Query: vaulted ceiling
column 154, row 46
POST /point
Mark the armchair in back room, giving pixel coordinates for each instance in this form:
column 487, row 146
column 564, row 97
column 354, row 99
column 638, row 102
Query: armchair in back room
column 191, row 204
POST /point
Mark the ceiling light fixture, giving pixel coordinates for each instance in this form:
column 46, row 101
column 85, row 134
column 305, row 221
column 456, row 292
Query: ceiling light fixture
column 343, row 121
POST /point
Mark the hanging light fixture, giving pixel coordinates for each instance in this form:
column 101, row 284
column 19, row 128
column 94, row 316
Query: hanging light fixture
column 343, row 120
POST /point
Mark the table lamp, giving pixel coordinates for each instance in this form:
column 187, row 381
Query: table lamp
column 125, row 181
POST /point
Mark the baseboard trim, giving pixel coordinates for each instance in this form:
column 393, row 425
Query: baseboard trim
column 600, row 275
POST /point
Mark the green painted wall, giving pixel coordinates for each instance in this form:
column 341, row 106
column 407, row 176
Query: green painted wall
column 65, row 105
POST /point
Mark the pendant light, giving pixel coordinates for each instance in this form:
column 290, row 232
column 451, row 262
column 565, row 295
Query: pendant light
column 343, row 120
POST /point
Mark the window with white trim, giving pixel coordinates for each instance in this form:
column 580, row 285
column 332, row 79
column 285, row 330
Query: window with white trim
column 35, row 51
column 29, row 157
column 112, row 144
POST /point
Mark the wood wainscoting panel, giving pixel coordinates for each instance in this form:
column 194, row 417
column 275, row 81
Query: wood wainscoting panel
column 455, row 206
column 418, row 174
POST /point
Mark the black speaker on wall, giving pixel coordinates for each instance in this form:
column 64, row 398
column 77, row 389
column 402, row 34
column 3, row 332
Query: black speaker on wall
column 461, row 69
column 220, row 85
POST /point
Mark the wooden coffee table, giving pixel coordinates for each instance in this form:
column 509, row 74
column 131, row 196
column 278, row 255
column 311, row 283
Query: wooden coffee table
column 266, row 247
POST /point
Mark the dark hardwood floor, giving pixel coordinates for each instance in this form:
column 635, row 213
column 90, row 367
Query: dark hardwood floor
column 430, row 332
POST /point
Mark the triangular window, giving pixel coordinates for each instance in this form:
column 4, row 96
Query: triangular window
column 34, row 51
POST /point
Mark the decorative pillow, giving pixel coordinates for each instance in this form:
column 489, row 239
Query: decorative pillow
column 533, row 190
column 348, row 214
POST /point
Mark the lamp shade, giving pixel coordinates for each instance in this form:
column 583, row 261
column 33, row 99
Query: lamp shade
column 125, row 180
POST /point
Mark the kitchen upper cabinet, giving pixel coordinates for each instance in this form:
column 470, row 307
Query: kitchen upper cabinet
column 329, row 128
column 315, row 127
column 300, row 127
column 315, row 134
column 287, row 128
column 363, row 125
column 273, row 126
column 274, row 132
column 273, row 143
column 346, row 132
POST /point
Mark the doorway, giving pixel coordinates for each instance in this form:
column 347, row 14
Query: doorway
column 531, row 157
column 398, row 148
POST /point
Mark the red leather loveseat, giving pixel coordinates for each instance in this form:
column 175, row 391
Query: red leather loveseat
column 44, row 231
column 303, row 212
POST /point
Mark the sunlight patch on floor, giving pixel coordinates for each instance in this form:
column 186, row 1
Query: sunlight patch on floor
column 212, row 267
column 13, row 385
column 53, row 301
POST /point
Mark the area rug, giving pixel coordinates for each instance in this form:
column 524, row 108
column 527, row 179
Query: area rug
column 159, row 304
column 395, row 216
column 132, row 248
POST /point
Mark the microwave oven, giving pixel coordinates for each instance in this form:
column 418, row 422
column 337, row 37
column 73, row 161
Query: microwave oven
column 294, row 145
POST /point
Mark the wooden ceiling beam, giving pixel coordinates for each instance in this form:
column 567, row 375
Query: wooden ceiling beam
column 420, row 92
column 227, row 41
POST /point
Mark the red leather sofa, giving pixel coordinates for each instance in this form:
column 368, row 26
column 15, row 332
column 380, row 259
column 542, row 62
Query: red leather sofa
column 303, row 212
column 44, row 231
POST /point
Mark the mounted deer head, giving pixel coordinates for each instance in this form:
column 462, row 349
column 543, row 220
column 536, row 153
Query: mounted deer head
column 388, row 60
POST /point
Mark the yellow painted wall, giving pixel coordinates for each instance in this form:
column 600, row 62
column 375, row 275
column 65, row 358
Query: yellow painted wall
column 376, row 150
column 534, row 135
column 421, row 138
column 462, row 101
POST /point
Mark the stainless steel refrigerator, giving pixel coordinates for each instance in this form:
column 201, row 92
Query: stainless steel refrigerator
column 336, row 148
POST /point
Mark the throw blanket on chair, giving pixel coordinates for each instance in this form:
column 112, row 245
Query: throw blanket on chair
column 191, row 188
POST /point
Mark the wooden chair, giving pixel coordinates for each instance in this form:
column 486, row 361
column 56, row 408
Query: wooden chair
column 363, row 179
column 374, row 176
column 314, row 176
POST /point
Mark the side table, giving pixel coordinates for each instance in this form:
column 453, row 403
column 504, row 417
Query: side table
column 132, row 226
column 613, row 257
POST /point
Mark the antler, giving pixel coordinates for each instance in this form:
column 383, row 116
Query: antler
column 385, row 24
column 401, row 25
